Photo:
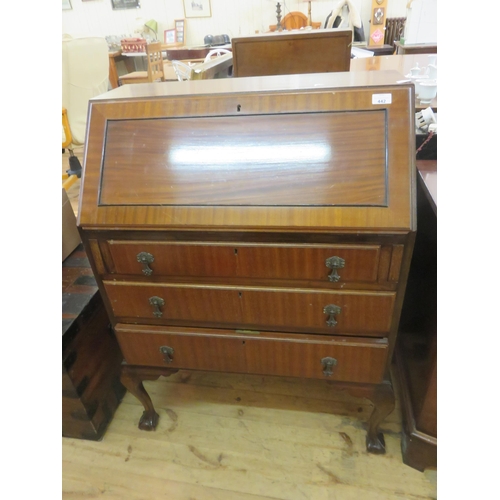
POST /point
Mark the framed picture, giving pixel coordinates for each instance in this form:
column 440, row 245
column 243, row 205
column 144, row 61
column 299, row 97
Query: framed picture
column 125, row 4
column 169, row 36
column 179, row 30
column 66, row 5
column 197, row 8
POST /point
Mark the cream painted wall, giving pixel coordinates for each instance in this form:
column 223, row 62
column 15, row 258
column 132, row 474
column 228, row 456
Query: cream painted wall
column 231, row 17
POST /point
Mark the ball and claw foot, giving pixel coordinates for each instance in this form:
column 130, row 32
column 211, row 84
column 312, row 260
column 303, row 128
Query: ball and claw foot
column 149, row 420
column 376, row 445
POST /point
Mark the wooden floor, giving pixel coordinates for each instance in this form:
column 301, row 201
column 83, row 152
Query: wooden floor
column 232, row 437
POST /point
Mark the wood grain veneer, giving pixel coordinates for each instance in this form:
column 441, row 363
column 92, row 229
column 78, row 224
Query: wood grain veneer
column 291, row 53
column 262, row 353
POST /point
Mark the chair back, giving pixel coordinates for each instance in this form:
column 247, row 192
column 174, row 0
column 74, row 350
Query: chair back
column 155, row 62
column 294, row 21
column 182, row 70
column 216, row 53
column 394, row 28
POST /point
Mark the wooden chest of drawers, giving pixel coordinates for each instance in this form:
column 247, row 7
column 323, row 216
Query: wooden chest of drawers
column 254, row 225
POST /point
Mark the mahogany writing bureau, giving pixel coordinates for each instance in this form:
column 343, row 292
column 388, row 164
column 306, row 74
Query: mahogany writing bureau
column 254, row 225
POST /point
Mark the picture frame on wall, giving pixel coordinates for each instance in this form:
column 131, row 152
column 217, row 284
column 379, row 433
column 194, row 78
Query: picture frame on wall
column 180, row 28
column 125, row 4
column 169, row 36
column 66, row 5
column 197, row 8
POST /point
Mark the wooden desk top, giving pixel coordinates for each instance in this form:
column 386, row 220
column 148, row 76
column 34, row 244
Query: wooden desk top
column 400, row 63
column 427, row 173
column 276, row 83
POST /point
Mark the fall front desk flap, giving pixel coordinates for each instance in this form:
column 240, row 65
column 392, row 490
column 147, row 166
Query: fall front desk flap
column 321, row 157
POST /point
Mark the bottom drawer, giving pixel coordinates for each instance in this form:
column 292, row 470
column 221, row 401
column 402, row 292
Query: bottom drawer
column 294, row 355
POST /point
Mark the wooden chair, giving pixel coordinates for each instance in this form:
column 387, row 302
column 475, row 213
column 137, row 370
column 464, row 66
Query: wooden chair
column 294, row 21
column 394, row 29
column 155, row 67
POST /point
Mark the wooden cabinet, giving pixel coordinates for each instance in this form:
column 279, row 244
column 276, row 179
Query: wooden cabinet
column 416, row 349
column 254, row 225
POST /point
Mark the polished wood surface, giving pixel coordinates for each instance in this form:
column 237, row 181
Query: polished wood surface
column 298, row 355
column 193, row 201
column 289, row 53
column 269, row 261
column 173, row 200
column 361, row 313
column 311, row 161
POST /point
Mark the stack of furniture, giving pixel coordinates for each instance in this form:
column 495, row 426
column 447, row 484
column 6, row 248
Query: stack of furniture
column 91, row 358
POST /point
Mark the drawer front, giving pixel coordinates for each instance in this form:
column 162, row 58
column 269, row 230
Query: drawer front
column 311, row 356
column 357, row 313
column 325, row 263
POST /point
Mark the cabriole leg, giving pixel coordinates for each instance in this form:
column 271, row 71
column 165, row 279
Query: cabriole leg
column 383, row 404
column 132, row 378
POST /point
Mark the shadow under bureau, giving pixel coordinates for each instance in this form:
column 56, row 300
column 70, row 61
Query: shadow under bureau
column 254, row 225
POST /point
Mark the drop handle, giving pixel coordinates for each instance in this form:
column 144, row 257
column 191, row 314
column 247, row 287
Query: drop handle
column 328, row 364
column 145, row 259
column 157, row 302
column 168, row 353
column 332, row 310
column 334, row 263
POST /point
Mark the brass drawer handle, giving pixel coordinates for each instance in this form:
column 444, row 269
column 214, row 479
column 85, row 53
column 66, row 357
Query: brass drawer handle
column 145, row 259
column 328, row 364
column 334, row 263
column 157, row 302
column 168, row 353
column 332, row 310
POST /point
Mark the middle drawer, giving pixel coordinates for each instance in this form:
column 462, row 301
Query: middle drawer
column 282, row 309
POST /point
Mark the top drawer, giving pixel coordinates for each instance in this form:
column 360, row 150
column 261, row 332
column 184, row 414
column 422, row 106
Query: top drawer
column 326, row 263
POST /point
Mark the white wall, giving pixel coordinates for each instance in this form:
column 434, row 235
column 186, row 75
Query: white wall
column 421, row 23
column 231, row 17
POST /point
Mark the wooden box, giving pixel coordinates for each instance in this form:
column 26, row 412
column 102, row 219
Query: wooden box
column 91, row 357
column 254, row 225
